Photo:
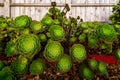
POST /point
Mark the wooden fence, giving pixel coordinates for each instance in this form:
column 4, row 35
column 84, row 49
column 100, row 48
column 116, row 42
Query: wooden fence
column 88, row 10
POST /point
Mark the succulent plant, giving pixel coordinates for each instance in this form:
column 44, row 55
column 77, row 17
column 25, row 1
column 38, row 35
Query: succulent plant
column 57, row 32
column 42, row 37
column 78, row 52
column 102, row 68
column 53, row 51
column 64, row 64
column 117, row 54
column 10, row 48
column 20, row 66
column 47, row 21
column 28, row 45
column 21, row 22
column 106, row 32
column 86, row 72
column 37, row 66
column 93, row 64
column 36, row 26
column 7, row 74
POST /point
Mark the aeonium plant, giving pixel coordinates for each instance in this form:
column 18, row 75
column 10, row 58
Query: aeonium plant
column 55, row 38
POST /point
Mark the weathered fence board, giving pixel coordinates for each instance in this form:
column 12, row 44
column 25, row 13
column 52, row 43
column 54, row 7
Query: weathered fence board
column 97, row 11
column 88, row 10
column 1, row 8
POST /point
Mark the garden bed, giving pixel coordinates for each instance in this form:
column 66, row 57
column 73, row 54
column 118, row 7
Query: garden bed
column 51, row 74
column 113, row 67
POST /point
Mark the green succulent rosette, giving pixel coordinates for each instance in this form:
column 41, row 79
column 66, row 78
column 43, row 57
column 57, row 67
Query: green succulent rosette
column 57, row 32
column 64, row 64
column 28, row 45
column 21, row 22
column 37, row 66
column 53, row 51
column 78, row 52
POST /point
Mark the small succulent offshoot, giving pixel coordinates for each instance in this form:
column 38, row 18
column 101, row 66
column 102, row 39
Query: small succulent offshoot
column 117, row 54
column 57, row 32
column 86, row 72
column 102, row 68
column 64, row 64
column 37, row 67
column 10, row 48
column 93, row 64
column 78, row 52
column 47, row 21
column 20, row 66
column 36, row 26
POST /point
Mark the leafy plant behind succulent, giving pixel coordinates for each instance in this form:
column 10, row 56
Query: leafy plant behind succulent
column 115, row 17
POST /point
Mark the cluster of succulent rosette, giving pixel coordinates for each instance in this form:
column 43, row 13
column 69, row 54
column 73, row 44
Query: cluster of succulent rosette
column 58, row 39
